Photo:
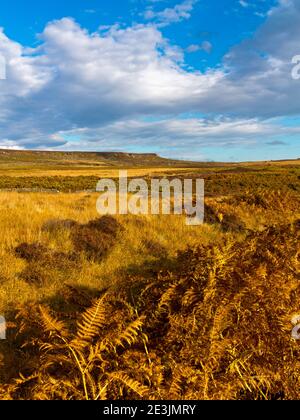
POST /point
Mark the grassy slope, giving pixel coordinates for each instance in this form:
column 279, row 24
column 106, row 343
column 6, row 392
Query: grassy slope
column 39, row 163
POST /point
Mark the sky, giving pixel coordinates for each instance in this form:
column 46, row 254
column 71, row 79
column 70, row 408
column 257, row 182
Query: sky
column 203, row 80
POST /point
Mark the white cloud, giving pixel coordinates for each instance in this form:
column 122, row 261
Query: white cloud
column 170, row 15
column 100, row 86
column 75, row 79
column 177, row 138
column 204, row 46
column 244, row 3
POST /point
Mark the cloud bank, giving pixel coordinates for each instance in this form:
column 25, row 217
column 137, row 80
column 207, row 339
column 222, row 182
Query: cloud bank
column 122, row 87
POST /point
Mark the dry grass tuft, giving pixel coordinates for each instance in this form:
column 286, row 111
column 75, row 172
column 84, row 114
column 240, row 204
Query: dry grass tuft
column 55, row 225
column 155, row 248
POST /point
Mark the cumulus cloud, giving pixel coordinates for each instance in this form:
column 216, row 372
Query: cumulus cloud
column 259, row 78
column 102, row 87
column 75, row 79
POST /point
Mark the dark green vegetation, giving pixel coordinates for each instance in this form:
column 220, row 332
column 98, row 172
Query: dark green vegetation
column 237, row 180
column 54, row 183
column 218, row 181
column 75, row 171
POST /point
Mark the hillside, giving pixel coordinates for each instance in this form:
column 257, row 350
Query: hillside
column 96, row 159
column 108, row 159
column 27, row 163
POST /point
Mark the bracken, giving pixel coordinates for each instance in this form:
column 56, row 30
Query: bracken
column 219, row 327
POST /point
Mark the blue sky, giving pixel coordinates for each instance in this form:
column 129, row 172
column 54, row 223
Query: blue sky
column 210, row 21
column 206, row 79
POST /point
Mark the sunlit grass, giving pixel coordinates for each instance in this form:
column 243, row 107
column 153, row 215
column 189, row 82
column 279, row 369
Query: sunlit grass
column 23, row 217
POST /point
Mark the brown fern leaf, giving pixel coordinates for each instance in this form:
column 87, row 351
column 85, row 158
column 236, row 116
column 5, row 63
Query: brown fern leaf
column 167, row 298
column 52, row 324
column 102, row 391
column 192, row 297
column 130, row 335
column 130, row 383
column 184, row 378
column 92, row 321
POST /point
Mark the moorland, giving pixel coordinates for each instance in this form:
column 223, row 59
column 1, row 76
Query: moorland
column 146, row 307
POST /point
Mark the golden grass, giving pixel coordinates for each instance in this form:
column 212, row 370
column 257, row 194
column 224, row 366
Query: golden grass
column 198, row 310
column 23, row 216
column 102, row 172
column 216, row 326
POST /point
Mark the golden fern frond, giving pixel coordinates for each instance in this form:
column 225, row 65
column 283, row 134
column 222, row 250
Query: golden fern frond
column 191, row 297
column 175, row 391
column 51, row 388
column 9, row 391
column 70, row 389
column 22, row 379
column 130, row 383
column 130, row 335
column 52, row 324
column 184, row 377
column 166, row 299
column 92, row 321
column 154, row 375
column 102, row 391
column 221, row 321
column 91, row 384
column 48, row 361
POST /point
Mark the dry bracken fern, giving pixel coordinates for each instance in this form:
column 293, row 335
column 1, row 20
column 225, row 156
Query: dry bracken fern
column 212, row 329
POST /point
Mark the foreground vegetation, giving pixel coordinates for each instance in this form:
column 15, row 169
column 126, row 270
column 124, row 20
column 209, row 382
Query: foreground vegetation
column 147, row 307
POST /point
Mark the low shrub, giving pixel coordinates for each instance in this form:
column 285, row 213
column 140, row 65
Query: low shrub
column 45, row 265
column 31, row 252
column 96, row 238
